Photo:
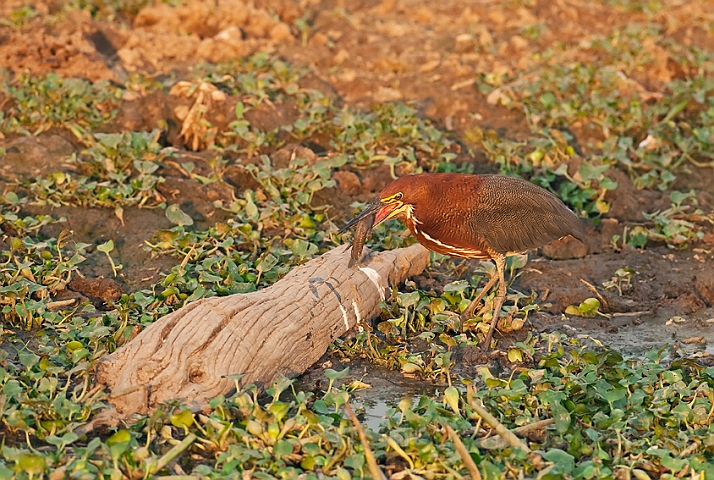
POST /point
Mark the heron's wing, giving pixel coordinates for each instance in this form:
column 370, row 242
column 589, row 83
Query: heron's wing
column 514, row 215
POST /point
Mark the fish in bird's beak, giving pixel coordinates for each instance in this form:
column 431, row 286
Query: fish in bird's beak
column 373, row 215
column 379, row 210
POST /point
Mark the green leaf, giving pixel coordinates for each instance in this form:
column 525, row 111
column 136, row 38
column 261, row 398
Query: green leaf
column 490, row 471
column 279, row 410
column 355, row 461
column 537, row 155
column 251, row 210
column 456, row 287
column 333, row 375
column 564, row 461
column 640, row 474
column 28, row 359
column 302, row 248
column 410, row 367
column 178, row 216
column 121, row 436
column 408, row 299
column 337, row 398
column 561, row 417
column 12, row 198
column 273, row 430
column 183, row 419
column 12, row 388
column 674, row 464
column 145, row 168
column 561, row 170
column 638, row 237
column 547, row 99
column 6, row 473
column 279, row 385
column 320, row 407
column 643, row 420
column 79, row 355
column 267, row 263
column 702, row 467
column 586, row 469
column 675, row 110
column 614, row 395
column 607, row 184
column 16, row 420
column 106, row 247
column 589, row 307
column 672, row 376
column 118, row 443
column 31, row 463
column 343, row 474
column 282, row 448
column 109, row 140
column 63, row 441
column 516, row 261
column 451, row 396
column 515, row 355
column 589, row 172
column 254, row 427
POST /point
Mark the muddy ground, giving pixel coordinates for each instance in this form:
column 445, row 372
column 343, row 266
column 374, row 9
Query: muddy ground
column 366, row 52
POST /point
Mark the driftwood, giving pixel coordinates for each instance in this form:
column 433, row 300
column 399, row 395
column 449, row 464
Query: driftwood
column 282, row 329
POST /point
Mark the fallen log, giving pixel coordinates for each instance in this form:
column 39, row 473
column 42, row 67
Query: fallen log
column 281, row 329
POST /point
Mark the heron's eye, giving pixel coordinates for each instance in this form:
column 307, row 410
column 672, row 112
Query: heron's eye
column 394, row 198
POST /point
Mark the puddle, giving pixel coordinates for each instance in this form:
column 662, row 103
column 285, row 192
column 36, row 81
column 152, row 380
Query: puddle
column 375, row 412
column 632, row 337
column 377, row 402
column 387, row 389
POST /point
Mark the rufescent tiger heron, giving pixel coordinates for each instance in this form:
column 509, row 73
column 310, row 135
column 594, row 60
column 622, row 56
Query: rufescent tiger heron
column 474, row 216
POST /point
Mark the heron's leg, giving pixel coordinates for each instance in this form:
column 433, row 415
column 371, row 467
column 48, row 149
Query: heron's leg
column 498, row 301
column 472, row 306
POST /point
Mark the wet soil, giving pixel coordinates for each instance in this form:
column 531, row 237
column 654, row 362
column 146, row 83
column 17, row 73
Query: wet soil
column 367, row 52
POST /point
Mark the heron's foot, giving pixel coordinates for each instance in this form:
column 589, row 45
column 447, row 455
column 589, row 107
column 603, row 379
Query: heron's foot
column 486, row 345
column 465, row 317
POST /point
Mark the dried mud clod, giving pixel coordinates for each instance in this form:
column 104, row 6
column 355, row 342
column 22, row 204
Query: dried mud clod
column 99, row 290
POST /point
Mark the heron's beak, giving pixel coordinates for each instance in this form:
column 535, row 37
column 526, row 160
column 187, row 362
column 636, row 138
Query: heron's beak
column 380, row 212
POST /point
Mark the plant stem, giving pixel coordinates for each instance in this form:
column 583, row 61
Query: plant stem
column 464, row 454
column 374, row 469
